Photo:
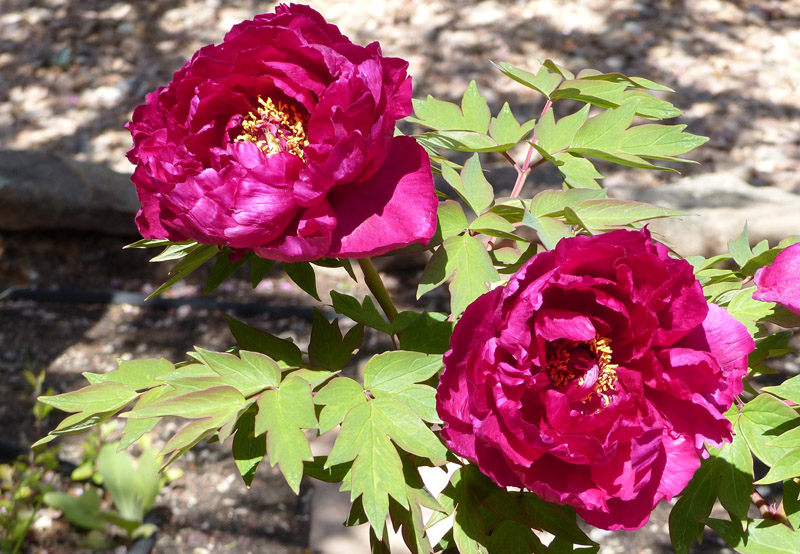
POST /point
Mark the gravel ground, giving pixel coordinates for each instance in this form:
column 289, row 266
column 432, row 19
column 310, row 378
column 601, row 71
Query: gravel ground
column 72, row 72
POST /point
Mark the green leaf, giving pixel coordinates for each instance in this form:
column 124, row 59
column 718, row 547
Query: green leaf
column 259, row 268
column 172, row 251
column 789, row 389
column 786, row 467
column 699, row 262
column 736, row 482
column 398, row 374
column 316, row 470
column 251, row 373
column 613, row 90
column 199, row 255
column 452, row 220
column 83, row 511
column 557, row 520
column 493, row 225
column 250, row 338
column 791, row 502
column 762, row 419
column 467, row 258
column 748, row 311
column 217, row 402
column 76, row 423
column 606, row 214
column 343, row 263
column 429, row 333
column 189, row 370
column 302, row 274
column 512, row 538
column 607, row 136
column 474, row 114
column 135, row 428
column 555, row 137
column 553, row 66
column 407, row 430
column 377, row 471
column 740, row 248
column 100, row 397
column 283, row 414
column 248, row 449
column 553, row 202
column 789, row 439
column 774, row 345
column 761, row 537
column 327, row 348
column 223, row 268
column 119, row 480
column 506, row 130
column 412, row 526
column 153, row 243
column 148, row 479
column 544, row 81
column 338, row 397
column 694, row 506
column 314, row 377
column 136, row 374
column 549, row 230
column 187, row 436
column 471, row 185
column 461, row 141
column 365, row 312
column 578, row 172
column 475, row 109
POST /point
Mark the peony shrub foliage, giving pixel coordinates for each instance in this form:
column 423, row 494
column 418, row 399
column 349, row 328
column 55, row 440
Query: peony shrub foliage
column 583, row 370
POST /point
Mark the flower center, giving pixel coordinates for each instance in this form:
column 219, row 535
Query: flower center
column 275, row 128
column 588, row 363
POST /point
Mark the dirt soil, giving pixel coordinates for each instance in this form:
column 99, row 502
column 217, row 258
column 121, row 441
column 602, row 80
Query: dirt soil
column 72, row 72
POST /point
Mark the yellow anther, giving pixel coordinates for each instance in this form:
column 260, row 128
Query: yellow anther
column 608, row 374
column 275, row 128
column 561, row 373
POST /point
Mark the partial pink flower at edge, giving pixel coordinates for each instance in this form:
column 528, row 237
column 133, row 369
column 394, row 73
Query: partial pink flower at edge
column 780, row 281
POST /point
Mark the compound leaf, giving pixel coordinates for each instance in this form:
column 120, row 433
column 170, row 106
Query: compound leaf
column 328, row 349
column 762, row 419
column 283, row 414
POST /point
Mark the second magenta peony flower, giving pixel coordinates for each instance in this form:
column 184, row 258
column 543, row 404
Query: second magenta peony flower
column 594, row 378
column 281, row 141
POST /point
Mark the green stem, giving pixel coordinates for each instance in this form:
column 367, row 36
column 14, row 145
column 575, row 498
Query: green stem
column 377, row 288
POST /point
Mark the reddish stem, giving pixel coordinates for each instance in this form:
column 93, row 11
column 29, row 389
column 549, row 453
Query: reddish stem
column 768, row 511
column 524, row 171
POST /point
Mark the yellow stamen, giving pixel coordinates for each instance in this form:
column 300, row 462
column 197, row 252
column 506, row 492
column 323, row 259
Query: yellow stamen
column 558, row 365
column 608, row 374
column 561, row 373
column 275, row 128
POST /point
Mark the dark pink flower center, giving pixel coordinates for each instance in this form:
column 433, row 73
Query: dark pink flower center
column 275, row 128
column 582, row 370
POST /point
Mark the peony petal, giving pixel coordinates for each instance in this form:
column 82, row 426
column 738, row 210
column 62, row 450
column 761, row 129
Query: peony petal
column 780, row 281
column 393, row 208
column 308, row 238
column 553, row 324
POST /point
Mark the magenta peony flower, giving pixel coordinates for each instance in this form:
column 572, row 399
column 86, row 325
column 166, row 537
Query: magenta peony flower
column 594, row 377
column 780, row 281
column 281, row 140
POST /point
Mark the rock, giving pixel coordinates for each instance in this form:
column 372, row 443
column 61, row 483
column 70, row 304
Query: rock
column 721, row 204
column 41, row 190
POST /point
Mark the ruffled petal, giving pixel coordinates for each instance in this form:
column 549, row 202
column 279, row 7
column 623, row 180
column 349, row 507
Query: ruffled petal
column 393, row 208
column 780, row 281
